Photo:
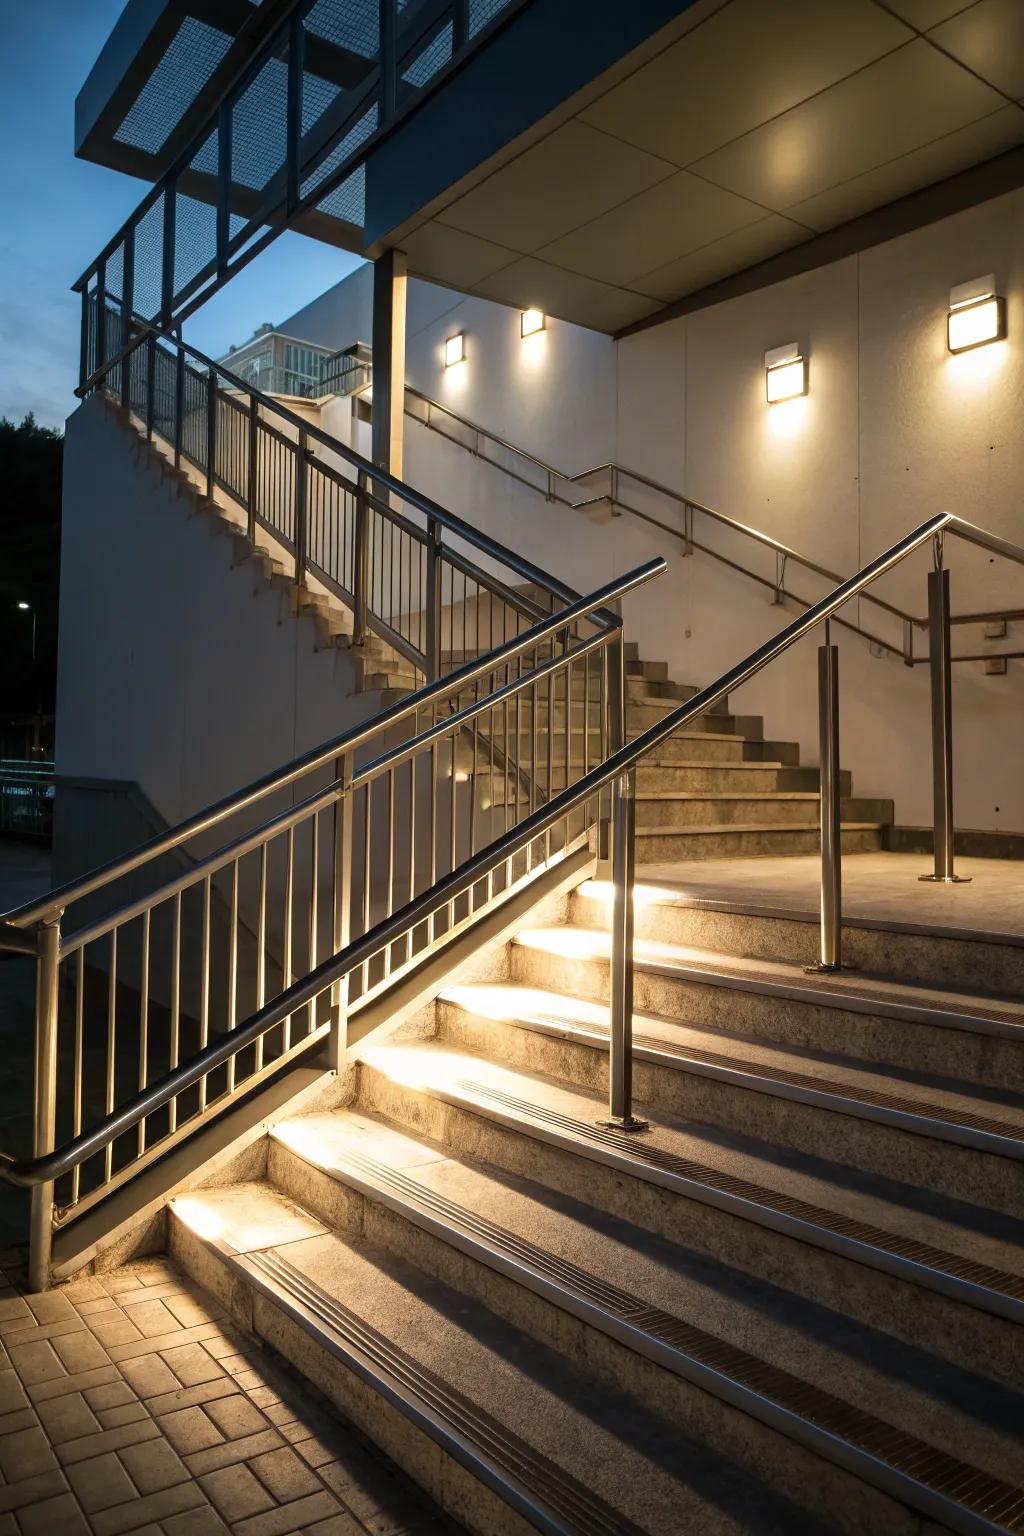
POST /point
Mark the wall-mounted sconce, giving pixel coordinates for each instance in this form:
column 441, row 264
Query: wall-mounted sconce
column 455, row 349
column 531, row 321
column 785, row 373
column 977, row 314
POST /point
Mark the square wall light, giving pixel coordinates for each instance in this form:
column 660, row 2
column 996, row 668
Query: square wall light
column 977, row 315
column 455, row 349
column 785, row 373
column 531, row 321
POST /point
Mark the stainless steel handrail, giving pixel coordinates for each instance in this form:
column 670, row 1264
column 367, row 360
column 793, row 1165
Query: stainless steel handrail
column 617, row 769
column 616, row 472
column 328, row 752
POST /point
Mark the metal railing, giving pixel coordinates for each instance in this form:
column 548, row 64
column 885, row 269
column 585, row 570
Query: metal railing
column 142, row 966
column 283, row 147
column 348, row 371
column 560, row 487
column 430, row 585
column 26, row 798
column 564, row 813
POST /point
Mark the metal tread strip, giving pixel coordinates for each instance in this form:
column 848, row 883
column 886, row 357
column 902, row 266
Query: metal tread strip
column 981, row 1285
column 901, row 1464
column 550, row 1498
column 915, row 1115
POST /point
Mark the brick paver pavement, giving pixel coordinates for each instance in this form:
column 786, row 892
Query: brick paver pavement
column 129, row 1403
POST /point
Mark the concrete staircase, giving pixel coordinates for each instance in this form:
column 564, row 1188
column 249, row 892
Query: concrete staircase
column 793, row 1305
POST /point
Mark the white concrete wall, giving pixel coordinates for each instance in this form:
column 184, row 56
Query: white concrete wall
column 893, row 430
column 174, row 671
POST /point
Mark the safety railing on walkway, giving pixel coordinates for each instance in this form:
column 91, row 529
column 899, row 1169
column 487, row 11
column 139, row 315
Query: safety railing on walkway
column 563, row 812
column 26, row 798
column 433, row 587
column 623, row 491
column 141, row 967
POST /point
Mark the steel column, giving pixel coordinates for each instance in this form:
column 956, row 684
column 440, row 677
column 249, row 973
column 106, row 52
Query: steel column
column 388, row 59
column 211, row 432
column 45, row 1118
column 941, row 669
column 101, row 314
column 620, row 1011
column 223, row 233
column 389, row 317
column 168, row 262
column 293, row 111
column 830, row 957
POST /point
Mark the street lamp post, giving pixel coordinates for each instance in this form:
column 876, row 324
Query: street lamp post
column 28, row 608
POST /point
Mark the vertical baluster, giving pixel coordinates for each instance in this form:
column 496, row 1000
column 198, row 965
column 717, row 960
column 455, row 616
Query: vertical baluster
column 76, row 1120
column 620, row 1043
column 204, row 986
column 144, row 1023
column 261, row 947
column 314, row 908
column 390, row 868
column 108, row 1097
column 453, row 819
column 343, row 815
column 232, row 997
column 174, row 1043
column 45, row 1117
column 412, row 843
column 367, row 790
column 289, row 896
column 252, row 483
column 211, row 432
column 433, row 831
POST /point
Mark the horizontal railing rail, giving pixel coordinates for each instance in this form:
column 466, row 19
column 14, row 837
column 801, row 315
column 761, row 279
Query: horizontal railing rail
column 558, row 485
column 615, row 771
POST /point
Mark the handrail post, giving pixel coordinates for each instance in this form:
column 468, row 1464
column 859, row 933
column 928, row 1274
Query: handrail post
column 211, row 432
column 45, row 1113
column 179, row 406
column 253, row 466
column 620, row 1010
column 432, row 646
column 831, row 952
column 615, row 727
column 150, row 385
column 301, row 549
column 342, row 908
column 361, row 561
column 941, row 670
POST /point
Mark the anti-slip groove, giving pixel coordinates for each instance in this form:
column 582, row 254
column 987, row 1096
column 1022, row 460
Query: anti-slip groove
column 916, row 1115
column 527, row 1478
column 767, row 1391
column 979, row 1284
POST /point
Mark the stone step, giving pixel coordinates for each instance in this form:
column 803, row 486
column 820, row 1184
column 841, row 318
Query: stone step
column 929, row 1133
column 726, row 974
column 932, row 1274
column 657, row 1320
column 753, row 840
column 718, row 778
column 673, row 809
column 503, row 1434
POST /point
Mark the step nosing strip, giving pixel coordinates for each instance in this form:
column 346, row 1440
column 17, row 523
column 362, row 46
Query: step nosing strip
column 966, row 1279
column 572, row 1507
column 760, row 1386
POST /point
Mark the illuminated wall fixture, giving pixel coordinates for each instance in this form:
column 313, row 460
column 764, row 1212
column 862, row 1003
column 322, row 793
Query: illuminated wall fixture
column 531, row 321
column 455, row 349
column 785, row 373
column 977, row 314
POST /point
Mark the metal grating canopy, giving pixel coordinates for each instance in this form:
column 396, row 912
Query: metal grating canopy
column 195, row 52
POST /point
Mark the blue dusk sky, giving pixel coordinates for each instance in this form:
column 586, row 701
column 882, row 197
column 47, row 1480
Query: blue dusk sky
column 58, row 213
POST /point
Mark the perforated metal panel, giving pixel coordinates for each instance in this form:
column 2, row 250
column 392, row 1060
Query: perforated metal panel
column 194, row 53
column 317, row 96
column 434, row 57
column 483, row 11
column 345, row 147
column 149, row 235
column 351, row 24
column 258, row 127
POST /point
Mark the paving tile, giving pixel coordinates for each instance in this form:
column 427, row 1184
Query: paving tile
column 235, row 1493
column 25, row 1453
column 189, row 1311
column 167, row 1341
column 110, row 1396
column 100, row 1483
column 114, row 1328
column 278, row 1413
column 151, row 1318
column 59, row 1516
column 315, row 1451
column 189, row 1429
column 191, row 1364
column 285, row 1474
column 121, row 1280
column 341, row 1524
column 203, row 1521
column 128, row 1413
column 12, row 1308
column 80, row 1352
column 9, row 1526
column 264, row 1395
column 42, row 1391
column 190, row 1397
column 149, row 1376
column 154, row 1507
column 29, row 1490
column 290, row 1517
column 236, row 1415
column 222, row 1346
column 21, row 1418
column 65, row 1418
column 92, row 1305
column 79, row 1291
column 232, row 1451
column 50, row 1307
column 36, row 1362
column 73, row 1451
column 153, row 1465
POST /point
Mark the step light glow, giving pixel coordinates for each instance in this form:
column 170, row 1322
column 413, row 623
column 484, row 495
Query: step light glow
column 785, row 371
column 977, row 314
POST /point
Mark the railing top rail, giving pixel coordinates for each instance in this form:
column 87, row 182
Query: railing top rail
column 309, row 762
column 424, row 504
